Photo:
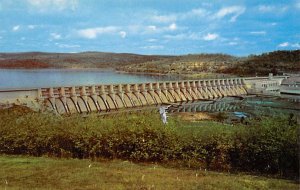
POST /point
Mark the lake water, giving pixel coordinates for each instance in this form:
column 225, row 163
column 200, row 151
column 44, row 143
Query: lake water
column 26, row 78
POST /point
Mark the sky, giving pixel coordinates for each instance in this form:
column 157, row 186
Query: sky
column 165, row 27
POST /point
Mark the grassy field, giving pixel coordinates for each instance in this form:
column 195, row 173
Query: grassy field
column 21, row 172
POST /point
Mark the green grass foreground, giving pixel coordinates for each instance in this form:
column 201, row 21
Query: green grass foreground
column 265, row 146
column 21, row 172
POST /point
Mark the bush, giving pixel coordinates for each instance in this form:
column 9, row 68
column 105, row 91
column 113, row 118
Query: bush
column 266, row 146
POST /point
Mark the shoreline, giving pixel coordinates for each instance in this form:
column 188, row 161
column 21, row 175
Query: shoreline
column 62, row 69
column 142, row 73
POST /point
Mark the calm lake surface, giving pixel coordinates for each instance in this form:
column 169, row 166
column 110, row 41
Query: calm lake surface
column 26, row 78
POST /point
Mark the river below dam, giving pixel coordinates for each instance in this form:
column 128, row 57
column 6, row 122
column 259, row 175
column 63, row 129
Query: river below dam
column 254, row 105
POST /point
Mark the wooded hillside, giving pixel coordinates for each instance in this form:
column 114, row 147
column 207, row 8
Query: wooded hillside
column 276, row 62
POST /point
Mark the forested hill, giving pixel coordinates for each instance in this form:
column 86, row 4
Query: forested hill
column 72, row 60
column 276, row 62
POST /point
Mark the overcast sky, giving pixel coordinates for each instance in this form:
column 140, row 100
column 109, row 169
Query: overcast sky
column 239, row 27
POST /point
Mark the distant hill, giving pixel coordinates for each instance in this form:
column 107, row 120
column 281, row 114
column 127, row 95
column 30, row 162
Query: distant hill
column 71, row 60
column 276, row 62
column 191, row 64
column 184, row 64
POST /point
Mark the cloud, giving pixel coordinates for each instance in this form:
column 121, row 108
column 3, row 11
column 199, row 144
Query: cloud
column 194, row 13
column 146, row 29
column 287, row 44
column 55, row 36
column 297, row 4
column 52, row 5
column 16, row 28
column 192, row 36
column 284, row 44
column 209, row 36
column 151, row 28
column 197, row 12
column 123, row 34
column 272, row 9
column 173, row 26
column 232, row 43
column 67, row 45
column 184, row 36
column 152, row 40
column 234, row 11
column 258, row 32
column 296, row 45
column 91, row 33
column 152, row 47
column 31, row 27
column 155, row 29
column 164, row 18
column 177, row 37
column 266, row 8
column 173, row 17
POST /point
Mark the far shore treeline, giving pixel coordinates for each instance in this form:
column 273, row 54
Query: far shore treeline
column 276, row 62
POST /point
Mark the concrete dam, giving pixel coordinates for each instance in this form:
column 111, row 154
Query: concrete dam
column 97, row 98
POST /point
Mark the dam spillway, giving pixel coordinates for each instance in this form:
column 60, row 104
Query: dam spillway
column 105, row 97
column 116, row 96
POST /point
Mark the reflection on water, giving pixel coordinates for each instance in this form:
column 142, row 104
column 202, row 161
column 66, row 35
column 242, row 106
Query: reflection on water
column 254, row 105
column 26, row 78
